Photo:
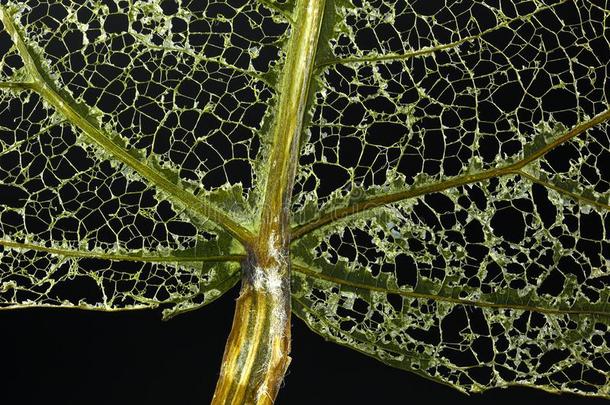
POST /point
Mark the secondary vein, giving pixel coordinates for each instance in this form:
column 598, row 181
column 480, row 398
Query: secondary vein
column 43, row 85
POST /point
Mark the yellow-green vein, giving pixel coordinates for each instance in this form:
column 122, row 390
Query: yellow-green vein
column 46, row 88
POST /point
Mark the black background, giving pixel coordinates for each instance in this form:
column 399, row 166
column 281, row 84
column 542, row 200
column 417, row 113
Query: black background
column 66, row 357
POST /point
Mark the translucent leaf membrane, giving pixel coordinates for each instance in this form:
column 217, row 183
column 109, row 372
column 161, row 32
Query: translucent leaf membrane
column 452, row 207
column 57, row 190
column 419, row 92
column 34, row 278
column 59, row 193
column 468, row 347
column 186, row 85
column 484, row 285
column 185, row 90
column 380, row 27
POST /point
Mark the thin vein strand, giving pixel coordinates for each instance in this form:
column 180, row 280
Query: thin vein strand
column 72, row 253
column 76, row 306
column 433, row 49
column 269, row 4
column 197, row 56
column 510, row 169
column 562, row 190
column 410, row 294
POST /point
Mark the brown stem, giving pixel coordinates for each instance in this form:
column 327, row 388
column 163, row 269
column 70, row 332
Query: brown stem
column 256, row 354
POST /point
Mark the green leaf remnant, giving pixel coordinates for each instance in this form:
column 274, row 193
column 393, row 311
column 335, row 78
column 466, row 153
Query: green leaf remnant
column 428, row 178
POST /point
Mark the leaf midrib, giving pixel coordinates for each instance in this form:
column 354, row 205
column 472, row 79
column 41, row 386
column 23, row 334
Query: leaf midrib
column 44, row 86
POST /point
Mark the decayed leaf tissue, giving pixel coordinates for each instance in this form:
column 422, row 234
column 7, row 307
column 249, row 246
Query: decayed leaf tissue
column 445, row 190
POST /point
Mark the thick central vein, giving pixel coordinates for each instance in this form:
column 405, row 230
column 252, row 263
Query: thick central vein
column 293, row 92
column 257, row 351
